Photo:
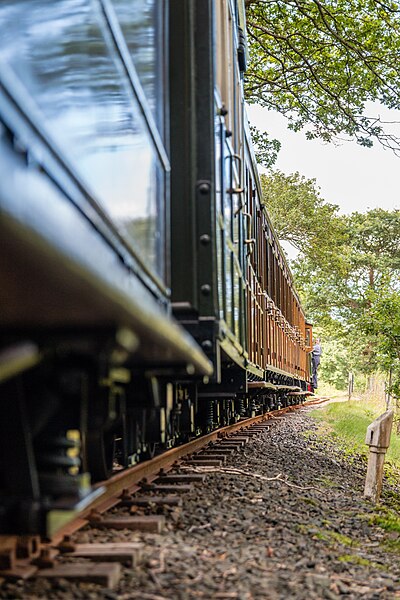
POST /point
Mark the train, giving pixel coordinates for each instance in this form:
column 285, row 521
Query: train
column 144, row 296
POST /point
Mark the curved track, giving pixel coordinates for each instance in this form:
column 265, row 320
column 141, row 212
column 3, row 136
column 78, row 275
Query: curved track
column 121, row 487
column 129, row 479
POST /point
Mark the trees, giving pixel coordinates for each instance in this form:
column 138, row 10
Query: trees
column 265, row 148
column 319, row 62
column 355, row 264
column 300, row 215
column 381, row 321
column 335, row 364
column 357, row 300
column 347, row 272
column 375, row 246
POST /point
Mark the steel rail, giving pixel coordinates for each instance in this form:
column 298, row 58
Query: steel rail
column 129, row 479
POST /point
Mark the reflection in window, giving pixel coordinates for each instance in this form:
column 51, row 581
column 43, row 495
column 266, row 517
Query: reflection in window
column 220, row 232
column 141, row 22
column 63, row 54
column 236, row 293
column 229, row 290
column 227, row 196
column 221, row 273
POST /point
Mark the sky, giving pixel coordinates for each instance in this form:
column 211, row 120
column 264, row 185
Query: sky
column 349, row 175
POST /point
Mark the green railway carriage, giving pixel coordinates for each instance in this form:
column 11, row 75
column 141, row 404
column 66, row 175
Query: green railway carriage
column 144, row 296
column 231, row 284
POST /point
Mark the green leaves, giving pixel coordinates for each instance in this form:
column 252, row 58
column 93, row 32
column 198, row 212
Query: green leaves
column 320, row 61
column 347, row 272
column 300, row 216
column 381, row 322
column 266, row 150
column 336, row 363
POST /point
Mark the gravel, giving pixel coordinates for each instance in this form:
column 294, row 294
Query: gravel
column 306, row 535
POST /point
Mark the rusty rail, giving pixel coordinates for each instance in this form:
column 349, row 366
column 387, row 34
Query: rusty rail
column 20, row 561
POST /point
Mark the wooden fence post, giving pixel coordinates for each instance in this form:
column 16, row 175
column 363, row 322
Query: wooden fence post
column 378, row 440
column 350, row 387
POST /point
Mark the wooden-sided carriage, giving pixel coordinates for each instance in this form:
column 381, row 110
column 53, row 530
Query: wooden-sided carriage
column 231, row 285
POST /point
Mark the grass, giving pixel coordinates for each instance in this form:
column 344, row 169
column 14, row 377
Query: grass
column 326, row 482
column 386, row 519
column 325, row 389
column 334, row 538
column 348, row 421
column 389, row 520
column 357, row 560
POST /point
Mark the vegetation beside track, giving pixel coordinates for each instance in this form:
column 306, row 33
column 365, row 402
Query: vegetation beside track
column 347, row 421
column 346, row 424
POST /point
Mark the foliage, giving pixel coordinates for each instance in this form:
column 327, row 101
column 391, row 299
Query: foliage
column 366, row 254
column 364, row 295
column 348, row 274
column 299, row 214
column 335, row 365
column 265, row 149
column 349, row 422
column 375, row 246
column 381, row 320
column 319, row 62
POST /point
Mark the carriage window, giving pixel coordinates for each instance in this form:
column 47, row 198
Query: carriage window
column 63, row 54
column 220, row 35
column 224, row 70
column 142, row 23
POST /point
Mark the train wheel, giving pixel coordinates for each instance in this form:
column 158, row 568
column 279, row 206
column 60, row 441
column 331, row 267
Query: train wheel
column 150, row 451
column 105, row 424
column 100, row 454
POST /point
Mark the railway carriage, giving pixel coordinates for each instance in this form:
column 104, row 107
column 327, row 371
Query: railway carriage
column 231, row 285
column 144, row 296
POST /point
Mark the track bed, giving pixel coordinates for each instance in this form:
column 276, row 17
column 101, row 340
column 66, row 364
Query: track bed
column 282, row 516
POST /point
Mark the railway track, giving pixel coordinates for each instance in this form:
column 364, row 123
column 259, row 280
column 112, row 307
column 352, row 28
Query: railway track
column 159, row 482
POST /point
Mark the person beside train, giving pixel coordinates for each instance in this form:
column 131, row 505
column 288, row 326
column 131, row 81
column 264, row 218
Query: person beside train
column 316, row 359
